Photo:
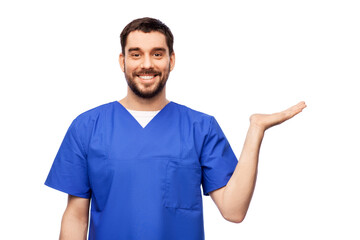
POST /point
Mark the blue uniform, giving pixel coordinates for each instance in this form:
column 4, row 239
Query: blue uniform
column 144, row 183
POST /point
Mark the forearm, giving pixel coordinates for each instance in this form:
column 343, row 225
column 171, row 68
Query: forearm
column 73, row 227
column 237, row 194
column 239, row 189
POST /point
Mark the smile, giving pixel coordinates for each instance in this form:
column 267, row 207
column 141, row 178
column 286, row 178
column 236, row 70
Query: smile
column 147, row 77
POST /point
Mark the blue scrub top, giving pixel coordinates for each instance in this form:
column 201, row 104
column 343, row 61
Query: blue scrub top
column 144, row 183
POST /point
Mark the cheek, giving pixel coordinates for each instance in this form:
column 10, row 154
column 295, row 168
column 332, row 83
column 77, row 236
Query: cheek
column 164, row 65
column 129, row 66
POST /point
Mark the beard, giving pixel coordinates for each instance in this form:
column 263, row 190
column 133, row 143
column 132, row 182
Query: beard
column 149, row 91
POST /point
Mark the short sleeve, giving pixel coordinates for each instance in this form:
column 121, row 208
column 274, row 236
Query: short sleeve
column 69, row 169
column 218, row 160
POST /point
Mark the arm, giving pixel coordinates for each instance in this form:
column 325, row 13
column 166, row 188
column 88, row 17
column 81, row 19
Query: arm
column 74, row 223
column 233, row 199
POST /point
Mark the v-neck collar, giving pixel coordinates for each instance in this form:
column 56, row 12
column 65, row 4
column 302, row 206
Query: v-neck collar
column 151, row 121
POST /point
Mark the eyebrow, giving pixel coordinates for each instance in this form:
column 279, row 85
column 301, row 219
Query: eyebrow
column 155, row 49
column 160, row 49
column 133, row 49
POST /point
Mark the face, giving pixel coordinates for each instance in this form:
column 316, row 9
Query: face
column 146, row 63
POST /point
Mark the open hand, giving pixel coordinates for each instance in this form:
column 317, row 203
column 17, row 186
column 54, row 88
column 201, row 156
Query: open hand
column 266, row 121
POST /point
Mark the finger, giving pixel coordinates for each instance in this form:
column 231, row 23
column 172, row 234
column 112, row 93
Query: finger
column 301, row 105
column 292, row 111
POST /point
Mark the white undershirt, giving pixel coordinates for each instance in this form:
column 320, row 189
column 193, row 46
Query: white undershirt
column 143, row 117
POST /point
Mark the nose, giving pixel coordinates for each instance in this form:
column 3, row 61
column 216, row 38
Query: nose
column 147, row 62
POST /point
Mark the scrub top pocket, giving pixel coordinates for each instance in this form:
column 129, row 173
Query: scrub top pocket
column 182, row 186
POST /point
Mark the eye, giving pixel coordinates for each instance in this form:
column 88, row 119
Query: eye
column 135, row 55
column 158, row 54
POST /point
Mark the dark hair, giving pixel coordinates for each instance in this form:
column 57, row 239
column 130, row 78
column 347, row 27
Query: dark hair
column 147, row 25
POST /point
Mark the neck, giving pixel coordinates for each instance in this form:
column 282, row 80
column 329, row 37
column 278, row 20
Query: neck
column 134, row 102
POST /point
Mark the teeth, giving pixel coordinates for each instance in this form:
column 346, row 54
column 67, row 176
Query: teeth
column 146, row 77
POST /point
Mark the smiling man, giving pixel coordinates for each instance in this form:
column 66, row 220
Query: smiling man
column 142, row 161
column 146, row 63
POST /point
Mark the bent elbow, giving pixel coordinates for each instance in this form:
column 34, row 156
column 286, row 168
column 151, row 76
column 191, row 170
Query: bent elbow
column 236, row 219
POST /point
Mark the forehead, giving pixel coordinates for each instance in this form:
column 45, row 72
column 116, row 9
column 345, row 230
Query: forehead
column 146, row 41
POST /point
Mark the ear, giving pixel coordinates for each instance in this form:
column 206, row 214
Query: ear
column 172, row 61
column 122, row 62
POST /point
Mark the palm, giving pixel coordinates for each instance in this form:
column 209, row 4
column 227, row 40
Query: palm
column 266, row 121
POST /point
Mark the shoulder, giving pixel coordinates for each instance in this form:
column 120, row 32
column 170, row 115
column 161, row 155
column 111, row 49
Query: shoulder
column 94, row 113
column 198, row 120
column 89, row 118
column 195, row 115
column 87, row 123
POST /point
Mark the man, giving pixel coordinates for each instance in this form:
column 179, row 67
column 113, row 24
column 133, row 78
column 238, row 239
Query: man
column 142, row 160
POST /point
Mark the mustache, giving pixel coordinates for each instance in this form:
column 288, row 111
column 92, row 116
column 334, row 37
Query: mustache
column 145, row 72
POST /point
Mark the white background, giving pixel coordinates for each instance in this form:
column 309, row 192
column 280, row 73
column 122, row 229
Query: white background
column 233, row 58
